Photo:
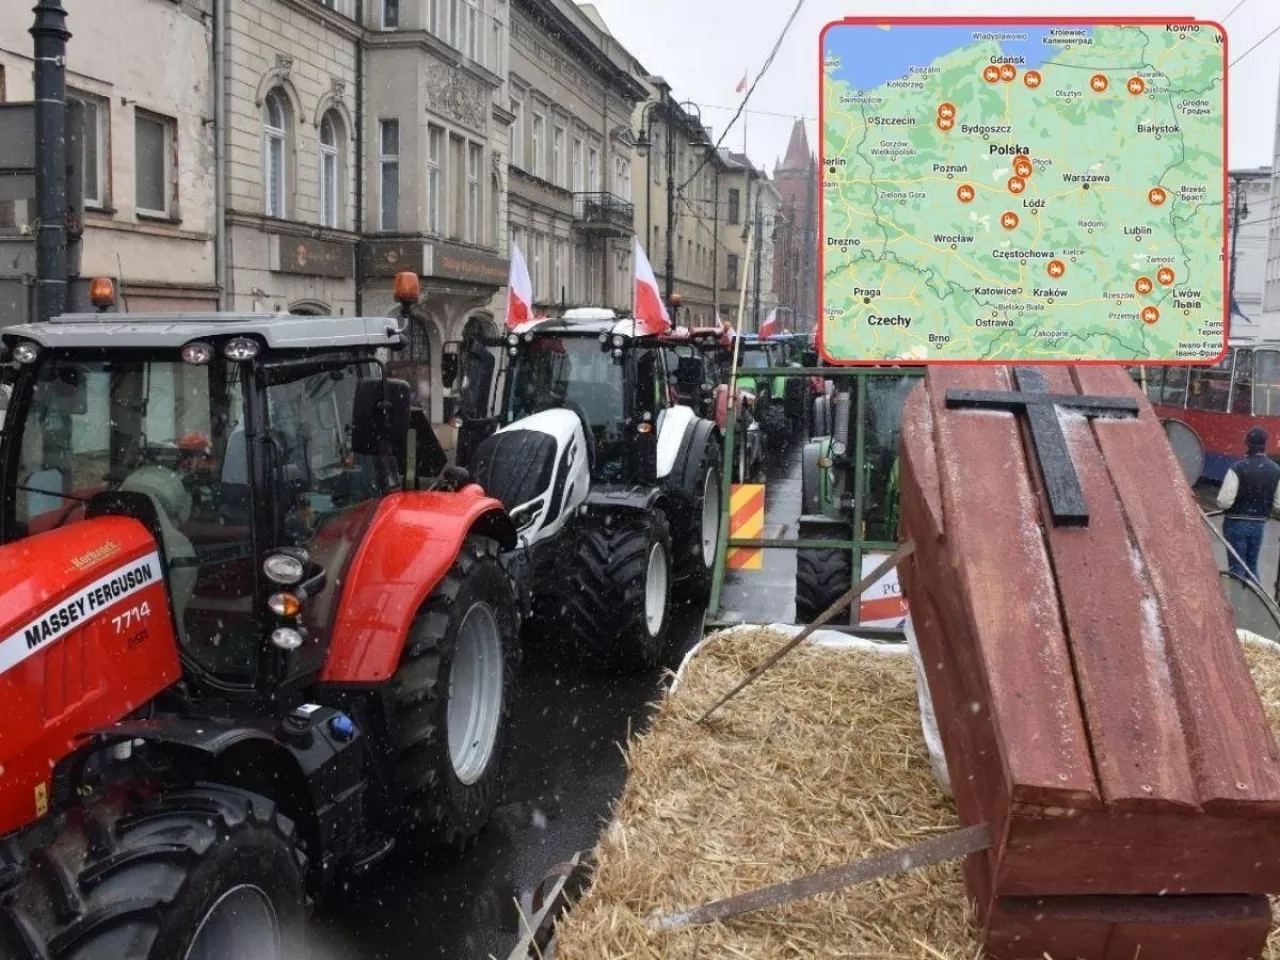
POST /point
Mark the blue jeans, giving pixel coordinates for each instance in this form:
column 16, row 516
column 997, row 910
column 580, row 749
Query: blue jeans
column 1245, row 537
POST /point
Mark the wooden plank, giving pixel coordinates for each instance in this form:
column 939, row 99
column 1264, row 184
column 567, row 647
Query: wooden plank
column 1097, row 852
column 1232, row 751
column 992, row 517
column 1114, row 636
column 1129, row 928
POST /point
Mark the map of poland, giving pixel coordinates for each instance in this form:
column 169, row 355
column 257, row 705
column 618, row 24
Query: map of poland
column 1023, row 193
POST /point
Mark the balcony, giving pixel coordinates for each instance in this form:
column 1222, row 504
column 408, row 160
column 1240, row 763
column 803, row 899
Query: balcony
column 604, row 213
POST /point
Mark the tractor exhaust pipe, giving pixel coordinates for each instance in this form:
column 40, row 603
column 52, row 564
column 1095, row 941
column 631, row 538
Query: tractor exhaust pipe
column 840, row 429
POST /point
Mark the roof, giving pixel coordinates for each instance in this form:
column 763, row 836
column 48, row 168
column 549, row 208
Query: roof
column 799, row 156
column 279, row 331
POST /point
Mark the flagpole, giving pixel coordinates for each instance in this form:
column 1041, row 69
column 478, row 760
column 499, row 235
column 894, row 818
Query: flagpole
column 744, row 121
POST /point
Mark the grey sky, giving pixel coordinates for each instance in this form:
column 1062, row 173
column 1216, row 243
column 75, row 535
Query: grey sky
column 703, row 47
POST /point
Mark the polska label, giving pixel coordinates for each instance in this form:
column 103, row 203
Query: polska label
column 83, row 606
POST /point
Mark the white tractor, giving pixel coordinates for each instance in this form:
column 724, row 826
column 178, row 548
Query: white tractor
column 613, row 484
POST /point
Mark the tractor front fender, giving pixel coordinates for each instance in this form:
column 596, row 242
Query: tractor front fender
column 683, row 480
column 411, row 544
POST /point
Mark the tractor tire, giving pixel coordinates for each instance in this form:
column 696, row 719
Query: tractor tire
column 207, row 873
column 697, row 563
column 776, row 429
column 452, row 695
column 822, row 578
column 618, row 602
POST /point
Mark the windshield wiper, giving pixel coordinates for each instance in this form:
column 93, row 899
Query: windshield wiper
column 51, row 493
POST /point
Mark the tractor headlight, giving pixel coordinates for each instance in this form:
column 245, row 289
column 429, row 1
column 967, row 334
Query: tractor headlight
column 240, row 349
column 617, row 353
column 604, row 338
column 286, row 638
column 618, row 341
column 528, row 337
column 839, row 448
column 197, row 354
column 513, row 351
column 26, row 352
column 283, row 568
column 513, row 339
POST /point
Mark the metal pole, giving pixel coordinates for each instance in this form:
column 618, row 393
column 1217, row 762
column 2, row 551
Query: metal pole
column 715, row 243
column 220, row 30
column 671, row 199
column 759, row 249
column 647, row 118
column 730, row 436
column 51, row 35
column 1235, row 233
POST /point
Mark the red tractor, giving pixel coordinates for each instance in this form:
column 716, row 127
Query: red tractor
column 241, row 656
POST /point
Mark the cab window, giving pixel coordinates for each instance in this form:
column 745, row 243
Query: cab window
column 1211, row 386
column 1266, row 383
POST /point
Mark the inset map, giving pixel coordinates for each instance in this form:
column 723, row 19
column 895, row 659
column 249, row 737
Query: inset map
column 1023, row 193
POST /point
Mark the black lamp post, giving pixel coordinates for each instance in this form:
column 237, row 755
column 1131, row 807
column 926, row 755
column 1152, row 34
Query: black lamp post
column 644, row 144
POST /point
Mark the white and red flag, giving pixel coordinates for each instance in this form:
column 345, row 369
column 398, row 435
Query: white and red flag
column 519, row 291
column 770, row 326
column 650, row 312
column 742, row 84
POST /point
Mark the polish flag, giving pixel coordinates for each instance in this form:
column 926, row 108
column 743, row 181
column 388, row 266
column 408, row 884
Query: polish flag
column 650, row 312
column 519, row 291
column 770, row 326
column 742, row 84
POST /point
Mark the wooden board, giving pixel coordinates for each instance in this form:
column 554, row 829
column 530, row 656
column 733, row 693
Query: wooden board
column 1232, row 750
column 992, row 516
column 1129, row 928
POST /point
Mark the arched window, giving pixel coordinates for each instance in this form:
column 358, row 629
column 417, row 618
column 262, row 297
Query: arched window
column 275, row 118
column 330, row 170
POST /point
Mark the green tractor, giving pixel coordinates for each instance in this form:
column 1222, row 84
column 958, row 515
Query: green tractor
column 830, row 488
column 779, row 401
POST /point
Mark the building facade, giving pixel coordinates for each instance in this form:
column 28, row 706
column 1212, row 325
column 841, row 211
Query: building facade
column 752, row 202
column 289, row 74
column 1248, row 246
column 1271, row 273
column 435, row 158
column 796, row 246
column 569, row 186
column 680, row 171
column 147, row 153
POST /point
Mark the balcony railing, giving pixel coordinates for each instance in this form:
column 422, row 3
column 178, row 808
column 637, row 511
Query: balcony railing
column 604, row 212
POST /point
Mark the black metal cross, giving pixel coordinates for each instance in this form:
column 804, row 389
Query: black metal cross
column 1066, row 499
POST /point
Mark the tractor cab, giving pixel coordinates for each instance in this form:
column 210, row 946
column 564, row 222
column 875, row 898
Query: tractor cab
column 588, row 361
column 250, row 444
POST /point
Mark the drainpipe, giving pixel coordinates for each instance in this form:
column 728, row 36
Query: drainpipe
column 220, row 27
column 359, row 164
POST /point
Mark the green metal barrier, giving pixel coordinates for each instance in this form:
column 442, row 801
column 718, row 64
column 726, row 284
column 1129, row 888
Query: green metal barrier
column 858, row 544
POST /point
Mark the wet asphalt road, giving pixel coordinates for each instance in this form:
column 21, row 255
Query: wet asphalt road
column 567, row 770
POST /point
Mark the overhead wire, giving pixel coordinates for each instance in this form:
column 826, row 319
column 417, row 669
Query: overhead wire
column 1272, row 33
column 750, row 90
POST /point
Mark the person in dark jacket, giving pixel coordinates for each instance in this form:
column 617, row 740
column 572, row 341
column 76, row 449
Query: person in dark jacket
column 1250, row 493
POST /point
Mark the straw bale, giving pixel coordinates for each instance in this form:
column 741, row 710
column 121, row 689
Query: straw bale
column 819, row 763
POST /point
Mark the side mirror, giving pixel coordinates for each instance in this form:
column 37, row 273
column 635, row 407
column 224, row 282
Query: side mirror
column 380, row 420
column 689, row 373
column 449, row 361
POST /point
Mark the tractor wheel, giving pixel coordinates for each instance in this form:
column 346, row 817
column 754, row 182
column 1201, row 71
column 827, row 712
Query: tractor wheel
column 452, row 695
column 209, row 873
column 822, row 578
column 776, row 429
column 698, row 557
column 618, row 593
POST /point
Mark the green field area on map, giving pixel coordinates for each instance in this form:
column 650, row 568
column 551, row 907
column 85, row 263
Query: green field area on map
column 1023, row 193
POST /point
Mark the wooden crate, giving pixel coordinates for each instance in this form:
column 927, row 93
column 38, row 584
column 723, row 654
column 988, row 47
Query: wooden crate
column 1093, row 701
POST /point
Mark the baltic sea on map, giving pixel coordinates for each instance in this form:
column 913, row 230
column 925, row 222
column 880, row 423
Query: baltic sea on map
column 1023, row 193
